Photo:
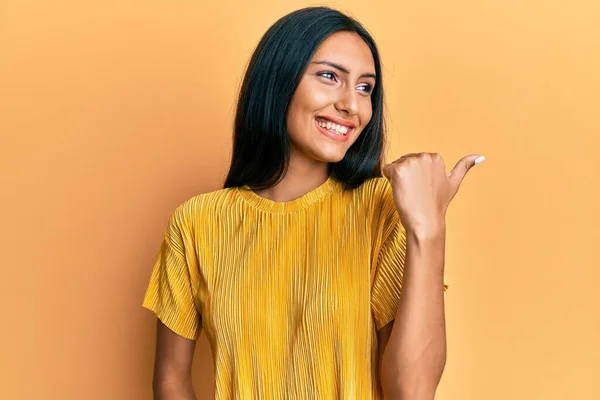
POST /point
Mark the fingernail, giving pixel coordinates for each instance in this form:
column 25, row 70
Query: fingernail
column 479, row 160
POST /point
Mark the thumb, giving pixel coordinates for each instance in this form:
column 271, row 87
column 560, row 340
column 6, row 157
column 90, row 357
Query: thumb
column 387, row 171
column 458, row 173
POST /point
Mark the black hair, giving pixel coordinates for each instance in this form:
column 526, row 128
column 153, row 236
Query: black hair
column 261, row 147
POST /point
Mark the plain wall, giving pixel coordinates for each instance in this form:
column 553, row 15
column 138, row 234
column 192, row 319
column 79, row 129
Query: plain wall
column 113, row 113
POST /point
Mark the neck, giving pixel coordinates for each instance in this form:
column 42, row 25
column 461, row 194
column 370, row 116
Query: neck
column 303, row 175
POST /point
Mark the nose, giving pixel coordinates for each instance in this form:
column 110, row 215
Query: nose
column 347, row 102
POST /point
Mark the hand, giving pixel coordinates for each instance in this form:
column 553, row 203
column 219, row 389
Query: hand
column 423, row 190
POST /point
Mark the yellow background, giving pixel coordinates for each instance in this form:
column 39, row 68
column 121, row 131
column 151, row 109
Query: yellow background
column 112, row 113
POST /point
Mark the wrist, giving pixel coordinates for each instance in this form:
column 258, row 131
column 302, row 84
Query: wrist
column 427, row 232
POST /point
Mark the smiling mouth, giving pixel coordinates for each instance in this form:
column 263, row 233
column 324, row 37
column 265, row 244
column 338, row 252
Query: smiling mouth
column 332, row 127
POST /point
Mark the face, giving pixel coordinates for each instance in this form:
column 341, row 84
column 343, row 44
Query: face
column 332, row 103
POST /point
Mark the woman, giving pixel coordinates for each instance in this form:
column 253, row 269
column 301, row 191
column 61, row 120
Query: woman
column 294, row 270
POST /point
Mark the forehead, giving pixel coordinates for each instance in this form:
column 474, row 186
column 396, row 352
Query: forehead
column 349, row 50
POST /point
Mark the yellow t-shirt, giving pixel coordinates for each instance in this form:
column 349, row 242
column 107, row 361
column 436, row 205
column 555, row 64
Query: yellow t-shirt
column 290, row 295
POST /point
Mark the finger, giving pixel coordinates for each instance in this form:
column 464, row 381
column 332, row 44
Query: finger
column 387, row 168
column 459, row 172
column 438, row 156
column 404, row 157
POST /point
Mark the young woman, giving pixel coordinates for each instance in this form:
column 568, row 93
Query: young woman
column 313, row 276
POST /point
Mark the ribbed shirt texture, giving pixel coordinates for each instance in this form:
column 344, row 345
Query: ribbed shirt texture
column 289, row 294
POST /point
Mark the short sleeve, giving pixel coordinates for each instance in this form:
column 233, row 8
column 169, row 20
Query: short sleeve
column 387, row 282
column 386, row 286
column 170, row 293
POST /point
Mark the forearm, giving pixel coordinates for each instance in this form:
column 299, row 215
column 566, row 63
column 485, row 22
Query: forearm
column 174, row 391
column 414, row 358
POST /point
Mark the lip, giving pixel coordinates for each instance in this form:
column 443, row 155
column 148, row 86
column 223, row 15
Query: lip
column 334, row 136
column 338, row 121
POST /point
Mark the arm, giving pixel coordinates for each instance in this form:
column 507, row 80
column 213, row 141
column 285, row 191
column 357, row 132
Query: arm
column 414, row 357
column 172, row 365
column 413, row 348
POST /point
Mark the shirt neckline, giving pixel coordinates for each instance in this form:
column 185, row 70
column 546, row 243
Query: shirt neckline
column 301, row 202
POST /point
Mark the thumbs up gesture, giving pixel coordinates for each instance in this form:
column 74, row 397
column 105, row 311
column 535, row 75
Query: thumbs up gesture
column 423, row 189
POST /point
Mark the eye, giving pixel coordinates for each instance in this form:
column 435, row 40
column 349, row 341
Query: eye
column 366, row 88
column 328, row 75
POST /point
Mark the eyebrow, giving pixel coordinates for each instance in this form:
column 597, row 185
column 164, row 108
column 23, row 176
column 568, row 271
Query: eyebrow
column 345, row 70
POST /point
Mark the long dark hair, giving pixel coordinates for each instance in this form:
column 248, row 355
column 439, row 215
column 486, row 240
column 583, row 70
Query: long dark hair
column 261, row 147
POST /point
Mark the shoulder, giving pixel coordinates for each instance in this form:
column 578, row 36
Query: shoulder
column 376, row 197
column 379, row 185
column 202, row 208
column 377, row 194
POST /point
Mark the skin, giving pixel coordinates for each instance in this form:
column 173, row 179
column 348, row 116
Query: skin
column 326, row 91
column 172, row 365
column 412, row 348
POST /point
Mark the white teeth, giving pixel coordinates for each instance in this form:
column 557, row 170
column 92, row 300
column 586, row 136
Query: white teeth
column 334, row 127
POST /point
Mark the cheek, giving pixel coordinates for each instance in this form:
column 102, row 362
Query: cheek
column 306, row 102
column 313, row 101
column 320, row 99
column 366, row 113
column 311, row 97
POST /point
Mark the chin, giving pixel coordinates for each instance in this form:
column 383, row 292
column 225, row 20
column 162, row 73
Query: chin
column 331, row 156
